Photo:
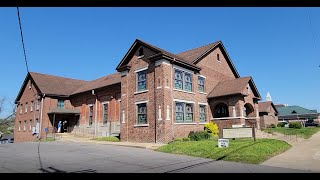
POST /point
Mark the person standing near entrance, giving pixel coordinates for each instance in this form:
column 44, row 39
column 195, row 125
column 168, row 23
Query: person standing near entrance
column 59, row 126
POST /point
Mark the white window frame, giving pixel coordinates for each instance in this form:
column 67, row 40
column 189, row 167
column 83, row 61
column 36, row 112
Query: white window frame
column 104, row 103
column 31, row 106
column 184, row 70
column 21, row 108
column 24, row 125
column 204, row 84
column 184, row 102
column 19, row 128
column 136, row 108
column 137, row 77
column 90, row 105
column 30, row 127
column 205, row 113
column 26, row 107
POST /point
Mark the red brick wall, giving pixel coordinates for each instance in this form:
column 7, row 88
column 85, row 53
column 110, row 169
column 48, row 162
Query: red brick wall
column 27, row 96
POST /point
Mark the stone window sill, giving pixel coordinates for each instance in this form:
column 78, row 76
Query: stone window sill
column 138, row 92
column 141, row 125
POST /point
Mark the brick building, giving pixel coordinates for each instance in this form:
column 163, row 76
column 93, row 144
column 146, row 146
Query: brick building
column 268, row 114
column 156, row 96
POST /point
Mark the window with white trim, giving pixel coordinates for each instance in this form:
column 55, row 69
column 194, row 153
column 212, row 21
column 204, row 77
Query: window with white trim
column 31, row 107
column 202, row 113
column 141, row 113
column 201, row 81
column 26, row 107
column 60, row 104
column 182, row 80
column 30, row 125
column 19, row 128
column 141, row 81
column 184, row 112
column 24, row 126
column 218, row 58
column 90, row 114
column 21, row 108
column 105, row 113
column 38, row 105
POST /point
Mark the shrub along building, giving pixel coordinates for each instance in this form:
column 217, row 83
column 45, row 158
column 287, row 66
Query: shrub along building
column 156, row 96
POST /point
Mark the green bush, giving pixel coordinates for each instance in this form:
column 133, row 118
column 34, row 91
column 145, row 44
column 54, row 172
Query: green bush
column 281, row 124
column 200, row 135
column 273, row 126
column 295, row 125
column 186, row 139
column 212, row 129
column 110, row 138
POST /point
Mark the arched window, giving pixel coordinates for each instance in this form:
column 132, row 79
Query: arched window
column 141, row 52
column 221, row 110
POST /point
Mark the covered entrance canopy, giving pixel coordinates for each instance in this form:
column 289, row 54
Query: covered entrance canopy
column 68, row 117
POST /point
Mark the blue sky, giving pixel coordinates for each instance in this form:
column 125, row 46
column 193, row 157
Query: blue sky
column 278, row 47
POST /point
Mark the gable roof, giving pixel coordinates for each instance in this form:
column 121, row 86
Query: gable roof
column 264, row 106
column 62, row 86
column 193, row 54
column 99, row 83
column 288, row 110
column 188, row 58
column 233, row 87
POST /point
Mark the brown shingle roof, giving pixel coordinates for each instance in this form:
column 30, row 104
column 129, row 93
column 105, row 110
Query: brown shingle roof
column 56, row 85
column 264, row 106
column 99, row 83
column 229, row 87
column 191, row 55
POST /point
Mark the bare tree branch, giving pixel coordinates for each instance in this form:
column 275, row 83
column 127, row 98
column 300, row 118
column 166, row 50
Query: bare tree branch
column 1, row 104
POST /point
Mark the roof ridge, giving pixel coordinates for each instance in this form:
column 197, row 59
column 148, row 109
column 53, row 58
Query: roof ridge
column 57, row 76
column 213, row 43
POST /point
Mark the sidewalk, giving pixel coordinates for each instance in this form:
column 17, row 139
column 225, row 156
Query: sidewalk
column 71, row 138
column 304, row 155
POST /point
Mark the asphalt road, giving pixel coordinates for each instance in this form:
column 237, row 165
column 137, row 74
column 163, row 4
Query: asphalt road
column 70, row 157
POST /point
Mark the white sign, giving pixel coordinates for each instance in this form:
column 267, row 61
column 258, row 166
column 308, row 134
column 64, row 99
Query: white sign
column 223, row 143
column 237, row 133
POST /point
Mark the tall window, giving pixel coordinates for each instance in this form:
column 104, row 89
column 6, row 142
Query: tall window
column 19, row 128
column 202, row 113
column 142, row 113
column 221, row 110
column 184, row 112
column 26, row 108
column 188, row 81
column 30, row 127
column 38, row 104
column 31, row 107
column 24, row 126
column 21, row 108
column 90, row 114
column 201, row 84
column 60, row 104
column 178, row 79
column 182, row 80
column 218, row 58
column 141, row 81
column 105, row 113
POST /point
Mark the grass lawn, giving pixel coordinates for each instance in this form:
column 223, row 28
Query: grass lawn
column 239, row 150
column 306, row 132
column 111, row 139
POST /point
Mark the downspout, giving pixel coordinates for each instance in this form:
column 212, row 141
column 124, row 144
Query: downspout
column 41, row 114
column 95, row 116
column 155, row 106
column 171, row 89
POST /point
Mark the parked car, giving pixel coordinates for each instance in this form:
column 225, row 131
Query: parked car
column 6, row 140
column 311, row 124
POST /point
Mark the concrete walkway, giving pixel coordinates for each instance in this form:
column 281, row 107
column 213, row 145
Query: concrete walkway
column 72, row 138
column 304, row 155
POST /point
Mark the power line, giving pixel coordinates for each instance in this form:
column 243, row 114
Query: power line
column 24, row 50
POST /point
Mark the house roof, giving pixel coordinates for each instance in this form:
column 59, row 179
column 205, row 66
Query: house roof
column 99, row 83
column 233, row 87
column 56, row 85
column 193, row 54
column 62, row 86
column 265, row 106
column 294, row 110
column 187, row 58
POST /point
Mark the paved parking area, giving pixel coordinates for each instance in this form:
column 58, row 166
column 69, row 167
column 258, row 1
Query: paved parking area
column 67, row 157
